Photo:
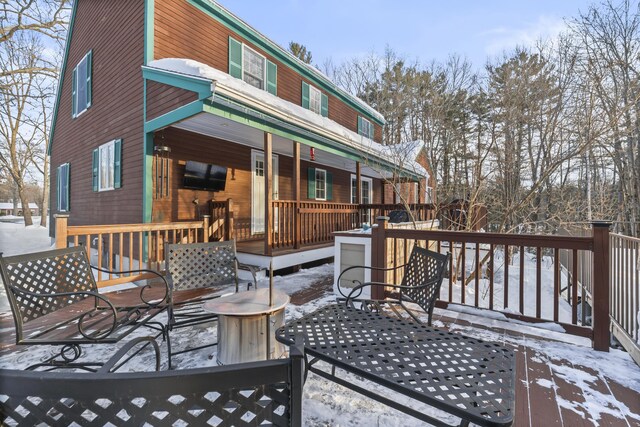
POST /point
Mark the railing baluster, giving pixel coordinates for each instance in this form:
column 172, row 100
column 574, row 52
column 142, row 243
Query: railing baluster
column 556, row 283
column 521, row 280
column 574, row 288
column 100, row 256
column 120, row 252
column 490, row 270
column 463, row 273
column 131, row 266
column 505, row 279
column 538, row 281
column 477, row 260
column 75, row 240
column 451, row 263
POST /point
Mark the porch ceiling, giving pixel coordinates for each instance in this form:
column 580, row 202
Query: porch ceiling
column 223, row 128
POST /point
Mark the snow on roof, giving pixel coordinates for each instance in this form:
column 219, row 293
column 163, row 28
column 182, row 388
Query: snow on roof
column 317, row 73
column 404, row 158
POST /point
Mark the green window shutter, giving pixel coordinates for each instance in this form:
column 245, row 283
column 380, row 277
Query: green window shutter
column 74, row 95
column 324, row 107
column 89, row 77
column 272, row 78
column 359, row 125
column 58, row 188
column 235, row 58
column 67, row 186
column 117, row 163
column 329, row 185
column 94, row 169
column 305, row 95
column 311, row 183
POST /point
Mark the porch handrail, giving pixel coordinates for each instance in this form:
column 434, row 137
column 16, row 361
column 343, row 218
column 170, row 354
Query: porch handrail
column 597, row 244
column 128, row 246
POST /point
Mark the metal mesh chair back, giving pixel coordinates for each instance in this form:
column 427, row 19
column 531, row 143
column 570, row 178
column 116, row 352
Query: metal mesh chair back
column 247, row 394
column 42, row 273
column 201, row 265
column 424, row 272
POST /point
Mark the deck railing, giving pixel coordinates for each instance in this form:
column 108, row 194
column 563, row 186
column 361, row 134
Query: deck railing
column 625, row 292
column 518, row 275
column 122, row 246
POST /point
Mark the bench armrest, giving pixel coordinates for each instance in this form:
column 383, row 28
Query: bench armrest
column 109, row 305
column 363, row 267
column 106, row 368
column 145, row 287
column 252, row 269
column 358, row 289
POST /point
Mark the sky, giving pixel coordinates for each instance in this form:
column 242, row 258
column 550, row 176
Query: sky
column 417, row 30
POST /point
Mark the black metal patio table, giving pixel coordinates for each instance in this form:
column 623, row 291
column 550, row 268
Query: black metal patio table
column 466, row 377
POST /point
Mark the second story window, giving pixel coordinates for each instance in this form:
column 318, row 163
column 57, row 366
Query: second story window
column 253, row 67
column 81, row 86
column 365, row 128
column 314, row 100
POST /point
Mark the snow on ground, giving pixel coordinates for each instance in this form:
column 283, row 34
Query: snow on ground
column 328, row 404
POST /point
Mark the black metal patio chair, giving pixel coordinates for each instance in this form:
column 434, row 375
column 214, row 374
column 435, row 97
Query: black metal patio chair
column 54, row 299
column 249, row 394
column 423, row 275
column 196, row 273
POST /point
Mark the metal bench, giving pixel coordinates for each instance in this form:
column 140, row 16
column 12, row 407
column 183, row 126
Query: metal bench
column 257, row 393
column 55, row 301
column 420, row 284
column 197, row 272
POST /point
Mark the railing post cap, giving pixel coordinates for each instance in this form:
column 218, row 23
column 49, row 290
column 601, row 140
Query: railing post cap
column 61, row 215
column 382, row 218
column 601, row 223
column 206, row 216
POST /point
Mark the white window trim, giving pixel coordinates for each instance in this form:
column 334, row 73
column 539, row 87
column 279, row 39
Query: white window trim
column 362, row 178
column 112, row 166
column 416, row 193
column 85, row 81
column 363, row 121
column 60, row 192
column 313, row 89
column 264, row 68
column 325, row 184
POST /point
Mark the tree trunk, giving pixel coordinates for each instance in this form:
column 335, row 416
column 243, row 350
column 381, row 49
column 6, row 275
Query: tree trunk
column 26, row 210
column 45, row 194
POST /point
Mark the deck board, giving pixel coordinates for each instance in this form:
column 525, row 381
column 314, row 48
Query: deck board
column 536, row 405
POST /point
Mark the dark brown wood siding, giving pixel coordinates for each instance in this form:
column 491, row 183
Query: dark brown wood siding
column 115, row 33
column 237, row 159
column 163, row 98
column 183, row 31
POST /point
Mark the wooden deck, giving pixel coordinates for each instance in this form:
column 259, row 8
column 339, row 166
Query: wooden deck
column 543, row 393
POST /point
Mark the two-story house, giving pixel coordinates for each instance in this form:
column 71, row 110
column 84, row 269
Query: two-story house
column 168, row 109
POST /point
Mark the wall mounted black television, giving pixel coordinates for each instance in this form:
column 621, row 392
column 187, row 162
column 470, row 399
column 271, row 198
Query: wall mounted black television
column 203, row 176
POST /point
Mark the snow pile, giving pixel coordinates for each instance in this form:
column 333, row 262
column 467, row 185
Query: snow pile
column 395, row 154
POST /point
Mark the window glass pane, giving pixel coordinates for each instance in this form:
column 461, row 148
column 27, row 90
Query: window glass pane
column 365, row 127
column 63, row 190
column 353, row 190
column 81, row 81
column 315, row 100
column 253, row 67
column 365, row 192
column 321, row 184
column 106, row 171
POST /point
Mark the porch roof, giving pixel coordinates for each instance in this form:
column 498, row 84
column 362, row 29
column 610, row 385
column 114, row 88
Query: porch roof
column 225, row 96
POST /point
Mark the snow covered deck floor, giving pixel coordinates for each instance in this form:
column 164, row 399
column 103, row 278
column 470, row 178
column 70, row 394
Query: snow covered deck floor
column 560, row 380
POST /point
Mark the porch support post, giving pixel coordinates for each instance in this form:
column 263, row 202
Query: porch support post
column 378, row 256
column 297, row 226
column 61, row 230
column 601, row 322
column 359, row 196
column 268, row 193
